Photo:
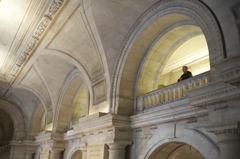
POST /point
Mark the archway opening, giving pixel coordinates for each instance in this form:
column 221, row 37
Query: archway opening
column 74, row 103
column 192, row 53
column 181, row 45
column 176, row 150
column 161, row 19
column 77, row 155
column 6, row 128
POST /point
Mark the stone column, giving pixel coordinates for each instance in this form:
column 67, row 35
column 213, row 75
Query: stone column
column 17, row 149
column 30, row 149
column 84, row 152
column 55, row 154
column 229, row 143
column 116, row 151
column 44, row 154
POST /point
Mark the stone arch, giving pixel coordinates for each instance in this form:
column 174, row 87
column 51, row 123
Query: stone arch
column 71, row 152
column 133, row 49
column 49, row 113
column 77, row 154
column 156, row 65
column 200, row 142
column 17, row 116
column 72, row 84
column 173, row 150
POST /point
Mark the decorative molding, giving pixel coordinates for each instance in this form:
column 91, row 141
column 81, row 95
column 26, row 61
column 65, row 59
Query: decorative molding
column 231, row 76
column 192, row 121
column 45, row 22
column 227, row 131
column 216, row 97
column 152, row 118
column 220, row 108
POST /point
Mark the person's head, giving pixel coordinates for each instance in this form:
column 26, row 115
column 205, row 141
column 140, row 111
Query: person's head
column 184, row 69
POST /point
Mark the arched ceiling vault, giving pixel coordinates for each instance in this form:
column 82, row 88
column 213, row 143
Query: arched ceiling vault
column 66, row 30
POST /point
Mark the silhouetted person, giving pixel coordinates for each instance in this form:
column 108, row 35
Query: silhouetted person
column 187, row 74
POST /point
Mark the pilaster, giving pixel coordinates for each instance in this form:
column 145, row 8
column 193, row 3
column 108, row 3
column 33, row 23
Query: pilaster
column 30, row 149
column 117, row 151
column 17, row 149
column 50, row 145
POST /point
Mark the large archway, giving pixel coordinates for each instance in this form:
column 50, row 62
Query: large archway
column 174, row 48
column 161, row 17
column 74, row 82
column 200, row 141
column 176, row 150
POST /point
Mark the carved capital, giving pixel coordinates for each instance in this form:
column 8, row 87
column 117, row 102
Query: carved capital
column 117, row 146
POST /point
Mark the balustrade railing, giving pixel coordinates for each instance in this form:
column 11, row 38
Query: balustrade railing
column 4, row 149
column 172, row 92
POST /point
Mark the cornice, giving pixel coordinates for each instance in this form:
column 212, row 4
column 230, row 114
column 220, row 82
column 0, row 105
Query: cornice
column 48, row 136
column 104, row 129
column 103, row 122
column 214, row 93
column 52, row 12
column 231, row 76
column 152, row 118
column 224, row 129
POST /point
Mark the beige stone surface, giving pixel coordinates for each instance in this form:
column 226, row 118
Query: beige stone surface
column 97, row 79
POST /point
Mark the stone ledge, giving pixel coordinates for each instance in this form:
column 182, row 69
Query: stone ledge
column 159, row 117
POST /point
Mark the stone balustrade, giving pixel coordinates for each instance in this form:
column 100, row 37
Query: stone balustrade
column 4, row 149
column 171, row 93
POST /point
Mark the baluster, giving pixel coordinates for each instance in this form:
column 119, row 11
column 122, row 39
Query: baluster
column 157, row 99
column 199, row 82
column 165, row 97
column 173, row 94
column 169, row 95
column 183, row 91
column 187, row 86
column 149, row 101
column 160, row 98
column 193, row 84
column 205, row 81
column 144, row 102
column 153, row 100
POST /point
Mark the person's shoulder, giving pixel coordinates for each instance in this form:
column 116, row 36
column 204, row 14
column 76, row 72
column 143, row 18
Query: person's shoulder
column 189, row 73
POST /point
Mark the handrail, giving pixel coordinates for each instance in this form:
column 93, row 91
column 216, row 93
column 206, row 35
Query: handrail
column 172, row 92
column 4, row 149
